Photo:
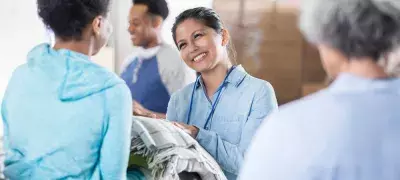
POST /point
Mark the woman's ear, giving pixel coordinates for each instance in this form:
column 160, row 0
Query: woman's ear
column 225, row 37
column 96, row 25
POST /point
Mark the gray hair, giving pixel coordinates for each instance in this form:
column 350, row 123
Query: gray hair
column 391, row 63
column 357, row 28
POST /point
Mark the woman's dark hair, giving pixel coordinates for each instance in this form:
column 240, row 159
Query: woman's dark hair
column 210, row 19
column 68, row 18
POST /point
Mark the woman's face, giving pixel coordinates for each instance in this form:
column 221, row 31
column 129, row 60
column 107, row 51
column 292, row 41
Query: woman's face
column 201, row 47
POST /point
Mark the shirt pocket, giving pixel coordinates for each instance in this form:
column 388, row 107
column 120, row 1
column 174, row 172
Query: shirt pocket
column 230, row 127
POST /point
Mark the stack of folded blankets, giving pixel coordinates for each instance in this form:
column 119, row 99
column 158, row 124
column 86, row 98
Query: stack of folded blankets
column 169, row 151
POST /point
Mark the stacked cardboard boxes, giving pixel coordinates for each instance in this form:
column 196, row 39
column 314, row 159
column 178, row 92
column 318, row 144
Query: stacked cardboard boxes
column 270, row 45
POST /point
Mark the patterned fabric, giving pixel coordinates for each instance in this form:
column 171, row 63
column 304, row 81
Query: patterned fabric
column 170, row 150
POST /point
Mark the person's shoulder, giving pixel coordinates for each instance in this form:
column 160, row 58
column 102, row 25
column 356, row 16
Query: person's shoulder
column 305, row 108
column 257, row 84
column 185, row 92
column 168, row 53
column 169, row 60
column 21, row 69
column 169, row 48
column 134, row 53
column 118, row 92
column 18, row 77
column 130, row 58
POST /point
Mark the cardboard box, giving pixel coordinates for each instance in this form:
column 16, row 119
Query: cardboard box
column 312, row 66
column 270, row 46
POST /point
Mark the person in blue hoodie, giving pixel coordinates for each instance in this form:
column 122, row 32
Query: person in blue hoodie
column 224, row 107
column 64, row 116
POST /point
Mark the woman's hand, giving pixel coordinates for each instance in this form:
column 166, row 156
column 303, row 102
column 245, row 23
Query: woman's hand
column 191, row 130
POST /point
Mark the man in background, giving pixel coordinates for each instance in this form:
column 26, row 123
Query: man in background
column 154, row 70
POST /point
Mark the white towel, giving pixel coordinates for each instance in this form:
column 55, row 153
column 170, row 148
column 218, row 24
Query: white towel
column 170, row 150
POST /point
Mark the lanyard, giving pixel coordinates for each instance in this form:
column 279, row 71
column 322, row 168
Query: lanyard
column 214, row 105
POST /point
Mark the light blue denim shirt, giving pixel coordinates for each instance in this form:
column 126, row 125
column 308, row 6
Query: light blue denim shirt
column 350, row 131
column 65, row 118
column 244, row 103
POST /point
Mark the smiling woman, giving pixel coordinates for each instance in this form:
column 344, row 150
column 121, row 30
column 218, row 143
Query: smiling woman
column 212, row 48
column 205, row 25
column 225, row 105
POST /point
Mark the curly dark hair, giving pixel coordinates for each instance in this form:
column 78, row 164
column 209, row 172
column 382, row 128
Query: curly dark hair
column 156, row 7
column 68, row 18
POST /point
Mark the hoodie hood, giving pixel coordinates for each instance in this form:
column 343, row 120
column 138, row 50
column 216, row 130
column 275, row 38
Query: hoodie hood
column 80, row 76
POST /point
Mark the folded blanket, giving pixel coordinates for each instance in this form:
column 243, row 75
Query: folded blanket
column 170, row 151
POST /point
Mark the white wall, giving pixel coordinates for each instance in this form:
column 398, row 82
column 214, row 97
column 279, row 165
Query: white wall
column 20, row 31
column 121, row 39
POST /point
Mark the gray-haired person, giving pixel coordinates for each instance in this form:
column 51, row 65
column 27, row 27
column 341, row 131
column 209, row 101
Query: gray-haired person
column 351, row 130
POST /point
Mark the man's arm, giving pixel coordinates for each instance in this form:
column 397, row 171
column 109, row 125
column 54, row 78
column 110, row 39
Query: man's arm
column 139, row 110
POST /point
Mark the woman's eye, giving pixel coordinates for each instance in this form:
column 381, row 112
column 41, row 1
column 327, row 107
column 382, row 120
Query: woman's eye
column 182, row 46
column 197, row 35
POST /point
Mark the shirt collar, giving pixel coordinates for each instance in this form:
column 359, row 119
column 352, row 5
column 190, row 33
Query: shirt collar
column 350, row 82
column 143, row 53
column 236, row 77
